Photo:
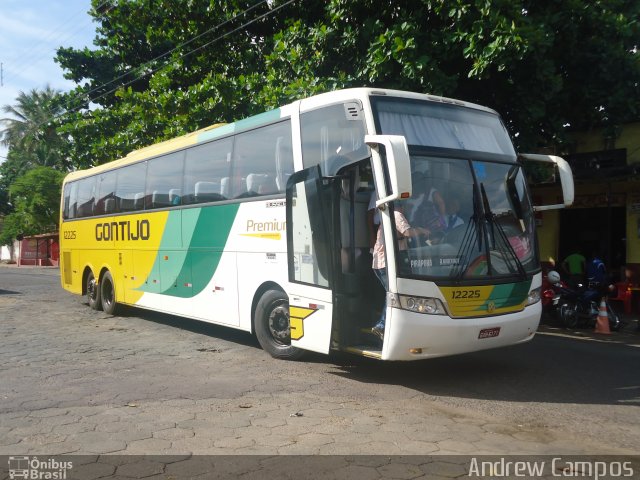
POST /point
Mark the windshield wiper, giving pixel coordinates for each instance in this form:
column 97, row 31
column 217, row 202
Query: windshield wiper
column 471, row 235
column 466, row 247
column 503, row 246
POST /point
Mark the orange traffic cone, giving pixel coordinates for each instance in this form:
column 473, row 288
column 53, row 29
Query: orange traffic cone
column 602, row 325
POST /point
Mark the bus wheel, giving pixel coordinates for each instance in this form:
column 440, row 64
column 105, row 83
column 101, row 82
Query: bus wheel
column 93, row 292
column 272, row 326
column 108, row 294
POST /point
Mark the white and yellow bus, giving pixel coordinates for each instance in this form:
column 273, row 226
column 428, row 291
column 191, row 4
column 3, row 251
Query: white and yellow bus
column 261, row 225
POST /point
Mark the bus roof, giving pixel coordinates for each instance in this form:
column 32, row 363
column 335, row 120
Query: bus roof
column 222, row 129
column 363, row 93
column 145, row 152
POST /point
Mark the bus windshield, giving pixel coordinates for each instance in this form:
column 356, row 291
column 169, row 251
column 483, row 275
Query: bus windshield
column 468, row 193
column 432, row 124
column 478, row 217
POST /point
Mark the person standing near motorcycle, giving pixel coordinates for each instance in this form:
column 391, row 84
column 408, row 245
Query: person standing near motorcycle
column 596, row 277
column 579, row 306
column 596, row 271
column 574, row 265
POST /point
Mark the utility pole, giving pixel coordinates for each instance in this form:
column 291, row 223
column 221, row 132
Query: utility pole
column 1, row 74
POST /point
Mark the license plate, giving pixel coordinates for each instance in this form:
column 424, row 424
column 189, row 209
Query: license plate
column 489, row 332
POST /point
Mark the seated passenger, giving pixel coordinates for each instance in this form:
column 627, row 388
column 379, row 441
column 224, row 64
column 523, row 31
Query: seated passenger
column 452, row 218
column 428, row 208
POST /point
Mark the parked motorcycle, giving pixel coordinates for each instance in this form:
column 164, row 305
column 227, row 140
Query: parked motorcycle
column 579, row 306
column 552, row 285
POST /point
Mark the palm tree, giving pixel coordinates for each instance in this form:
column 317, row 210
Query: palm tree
column 30, row 131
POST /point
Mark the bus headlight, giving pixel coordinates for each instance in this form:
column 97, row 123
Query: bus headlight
column 534, row 296
column 432, row 306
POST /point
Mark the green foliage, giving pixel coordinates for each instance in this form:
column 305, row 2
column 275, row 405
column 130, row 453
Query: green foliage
column 159, row 72
column 30, row 130
column 36, row 200
column 161, row 69
column 543, row 65
column 5, row 206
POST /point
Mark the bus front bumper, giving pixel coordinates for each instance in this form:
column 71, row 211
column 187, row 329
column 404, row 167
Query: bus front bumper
column 414, row 336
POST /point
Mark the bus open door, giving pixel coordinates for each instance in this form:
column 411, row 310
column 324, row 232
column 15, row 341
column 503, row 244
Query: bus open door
column 309, row 252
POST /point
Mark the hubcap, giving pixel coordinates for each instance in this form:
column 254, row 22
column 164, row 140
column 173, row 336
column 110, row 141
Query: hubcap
column 108, row 293
column 279, row 324
column 91, row 289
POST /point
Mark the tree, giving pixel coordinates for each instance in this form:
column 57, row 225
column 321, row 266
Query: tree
column 31, row 130
column 161, row 70
column 5, row 207
column 31, row 133
column 545, row 66
column 11, row 169
column 36, row 199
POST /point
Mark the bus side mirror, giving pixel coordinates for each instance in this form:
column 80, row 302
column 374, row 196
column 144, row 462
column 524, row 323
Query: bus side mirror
column 398, row 171
column 566, row 179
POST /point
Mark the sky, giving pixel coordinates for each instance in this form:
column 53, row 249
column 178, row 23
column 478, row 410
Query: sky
column 30, row 33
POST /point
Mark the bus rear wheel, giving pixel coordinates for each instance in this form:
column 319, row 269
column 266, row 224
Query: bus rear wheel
column 271, row 321
column 108, row 294
column 93, row 292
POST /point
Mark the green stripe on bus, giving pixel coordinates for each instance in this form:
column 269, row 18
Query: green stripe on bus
column 509, row 294
column 189, row 269
column 240, row 125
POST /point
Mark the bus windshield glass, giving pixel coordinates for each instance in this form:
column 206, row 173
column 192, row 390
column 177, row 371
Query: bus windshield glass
column 432, row 124
column 475, row 219
column 469, row 196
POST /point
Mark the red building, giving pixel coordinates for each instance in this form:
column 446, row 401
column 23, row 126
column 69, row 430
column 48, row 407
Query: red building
column 41, row 250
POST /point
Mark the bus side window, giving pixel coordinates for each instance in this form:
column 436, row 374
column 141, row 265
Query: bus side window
column 284, row 162
column 164, row 173
column 335, row 132
column 130, row 187
column 86, row 196
column 106, row 191
column 264, row 157
column 71, row 201
column 205, row 168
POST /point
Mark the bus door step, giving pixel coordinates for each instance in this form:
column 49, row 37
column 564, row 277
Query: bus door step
column 365, row 350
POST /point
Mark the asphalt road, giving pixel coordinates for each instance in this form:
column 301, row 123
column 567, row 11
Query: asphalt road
column 77, row 381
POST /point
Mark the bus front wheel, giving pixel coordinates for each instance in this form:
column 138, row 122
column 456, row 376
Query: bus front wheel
column 272, row 326
column 93, row 292
column 108, row 294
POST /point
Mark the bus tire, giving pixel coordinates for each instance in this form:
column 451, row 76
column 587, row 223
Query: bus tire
column 271, row 322
column 108, row 294
column 93, row 292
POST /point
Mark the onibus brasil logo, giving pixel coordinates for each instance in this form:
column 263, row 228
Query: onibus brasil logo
column 35, row 469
